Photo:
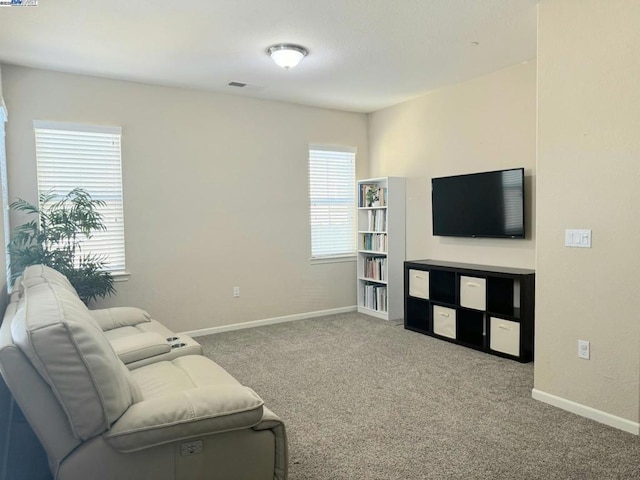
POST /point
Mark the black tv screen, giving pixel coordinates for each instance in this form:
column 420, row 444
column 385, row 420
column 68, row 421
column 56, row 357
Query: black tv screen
column 487, row 204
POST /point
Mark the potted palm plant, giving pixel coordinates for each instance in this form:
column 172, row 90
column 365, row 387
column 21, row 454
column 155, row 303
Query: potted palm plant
column 54, row 238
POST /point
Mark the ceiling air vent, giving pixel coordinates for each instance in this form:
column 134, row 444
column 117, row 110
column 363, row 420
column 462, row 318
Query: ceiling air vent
column 247, row 87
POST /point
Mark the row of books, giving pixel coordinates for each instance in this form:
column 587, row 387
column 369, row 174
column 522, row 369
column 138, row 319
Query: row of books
column 372, row 195
column 375, row 268
column 377, row 220
column 375, row 297
column 374, row 241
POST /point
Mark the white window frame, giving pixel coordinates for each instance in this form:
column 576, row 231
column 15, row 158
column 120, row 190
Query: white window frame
column 62, row 168
column 325, row 193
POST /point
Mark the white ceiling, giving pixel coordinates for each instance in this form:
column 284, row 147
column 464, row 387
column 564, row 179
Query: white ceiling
column 364, row 54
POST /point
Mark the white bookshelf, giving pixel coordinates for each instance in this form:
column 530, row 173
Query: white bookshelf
column 381, row 248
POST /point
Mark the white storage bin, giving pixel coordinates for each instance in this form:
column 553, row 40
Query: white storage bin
column 505, row 336
column 473, row 292
column 444, row 321
column 419, row 283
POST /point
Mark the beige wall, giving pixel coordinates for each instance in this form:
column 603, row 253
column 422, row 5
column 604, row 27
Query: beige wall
column 215, row 191
column 484, row 124
column 588, row 173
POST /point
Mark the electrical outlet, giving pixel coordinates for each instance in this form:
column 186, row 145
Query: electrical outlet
column 236, row 292
column 583, row 349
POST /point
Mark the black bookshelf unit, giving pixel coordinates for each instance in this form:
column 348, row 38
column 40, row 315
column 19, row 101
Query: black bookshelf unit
column 483, row 307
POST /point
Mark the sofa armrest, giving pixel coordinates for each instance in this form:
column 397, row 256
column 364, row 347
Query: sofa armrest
column 110, row 318
column 189, row 413
column 133, row 348
column 270, row 421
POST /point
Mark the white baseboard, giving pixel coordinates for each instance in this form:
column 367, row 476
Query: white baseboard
column 269, row 321
column 588, row 412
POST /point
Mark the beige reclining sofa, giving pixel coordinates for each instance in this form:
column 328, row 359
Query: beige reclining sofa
column 135, row 337
column 181, row 418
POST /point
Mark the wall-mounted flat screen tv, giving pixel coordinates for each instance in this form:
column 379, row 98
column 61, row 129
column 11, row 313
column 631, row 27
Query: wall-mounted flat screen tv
column 487, row 204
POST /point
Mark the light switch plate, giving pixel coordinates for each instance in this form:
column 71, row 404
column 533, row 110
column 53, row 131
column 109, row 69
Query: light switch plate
column 580, row 238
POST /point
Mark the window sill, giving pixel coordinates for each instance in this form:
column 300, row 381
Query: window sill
column 120, row 276
column 336, row 259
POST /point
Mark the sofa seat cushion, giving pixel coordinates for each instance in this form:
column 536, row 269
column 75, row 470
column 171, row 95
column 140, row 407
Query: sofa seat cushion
column 182, row 373
column 185, row 398
column 186, row 414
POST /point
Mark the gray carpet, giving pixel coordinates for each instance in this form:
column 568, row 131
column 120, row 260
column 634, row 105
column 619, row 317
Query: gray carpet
column 366, row 399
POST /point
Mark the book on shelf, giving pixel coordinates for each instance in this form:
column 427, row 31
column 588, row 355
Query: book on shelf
column 375, row 297
column 377, row 220
column 376, row 242
column 375, row 268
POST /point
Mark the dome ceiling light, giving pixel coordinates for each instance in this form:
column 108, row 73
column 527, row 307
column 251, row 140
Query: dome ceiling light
column 287, row 55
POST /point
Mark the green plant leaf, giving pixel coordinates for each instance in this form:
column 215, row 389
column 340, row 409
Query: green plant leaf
column 55, row 239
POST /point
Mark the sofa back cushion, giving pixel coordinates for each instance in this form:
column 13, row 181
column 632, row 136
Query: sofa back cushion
column 34, row 274
column 68, row 349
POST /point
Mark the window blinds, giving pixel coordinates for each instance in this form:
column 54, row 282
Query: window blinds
column 71, row 156
column 332, row 198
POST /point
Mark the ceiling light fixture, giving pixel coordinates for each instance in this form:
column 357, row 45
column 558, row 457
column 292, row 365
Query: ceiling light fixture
column 287, row 55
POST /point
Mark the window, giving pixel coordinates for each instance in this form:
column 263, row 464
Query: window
column 70, row 156
column 332, row 197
